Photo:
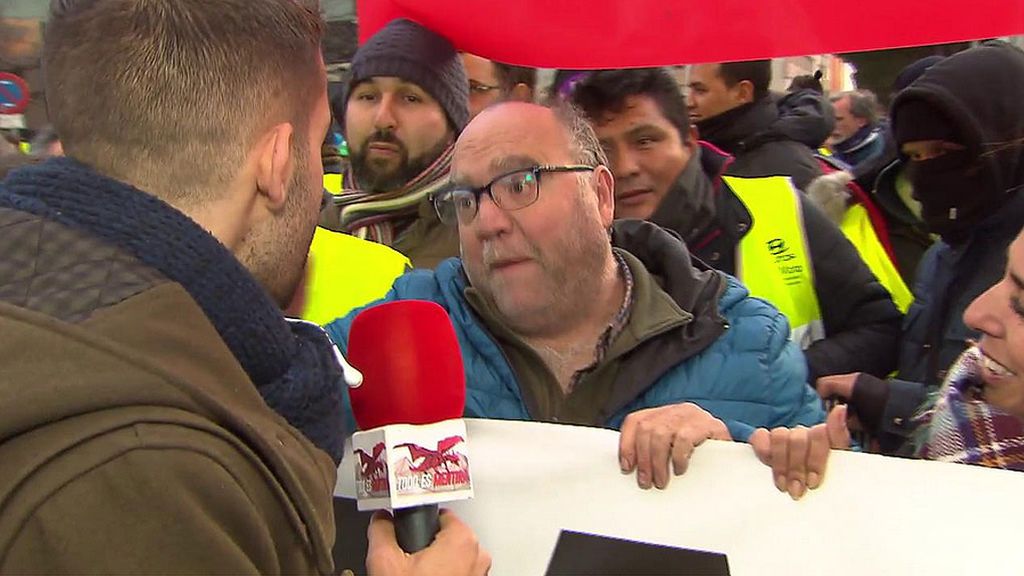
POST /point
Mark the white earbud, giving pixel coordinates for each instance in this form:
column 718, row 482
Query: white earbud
column 353, row 377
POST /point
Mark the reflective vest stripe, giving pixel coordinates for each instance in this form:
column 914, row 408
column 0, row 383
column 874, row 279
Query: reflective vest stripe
column 347, row 273
column 856, row 226
column 773, row 259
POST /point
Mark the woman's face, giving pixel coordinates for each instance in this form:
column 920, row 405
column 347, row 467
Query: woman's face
column 999, row 315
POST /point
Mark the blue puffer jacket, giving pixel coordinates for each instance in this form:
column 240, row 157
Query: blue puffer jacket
column 747, row 373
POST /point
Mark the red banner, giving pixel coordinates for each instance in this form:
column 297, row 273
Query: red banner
column 631, row 33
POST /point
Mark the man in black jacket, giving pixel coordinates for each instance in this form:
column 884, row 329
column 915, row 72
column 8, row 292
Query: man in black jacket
column 733, row 110
column 664, row 175
column 960, row 131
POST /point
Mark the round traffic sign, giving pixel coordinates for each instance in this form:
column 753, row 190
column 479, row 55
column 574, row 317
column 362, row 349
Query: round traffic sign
column 14, row 94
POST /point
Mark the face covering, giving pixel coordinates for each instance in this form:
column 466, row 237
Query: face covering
column 955, row 196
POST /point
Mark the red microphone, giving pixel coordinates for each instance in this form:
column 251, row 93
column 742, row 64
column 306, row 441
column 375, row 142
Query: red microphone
column 411, row 453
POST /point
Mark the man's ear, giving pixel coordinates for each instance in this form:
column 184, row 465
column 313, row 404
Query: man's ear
column 275, row 164
column 745, row 91
column 604, row 184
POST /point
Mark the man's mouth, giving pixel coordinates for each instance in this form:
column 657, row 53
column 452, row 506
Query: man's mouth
column 506, row 263
column 386, row 147
column 995, row 368
column 633, row 196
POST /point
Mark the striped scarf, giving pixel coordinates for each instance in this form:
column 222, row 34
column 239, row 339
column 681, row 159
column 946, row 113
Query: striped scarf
column 383, row 217
column 961, row 427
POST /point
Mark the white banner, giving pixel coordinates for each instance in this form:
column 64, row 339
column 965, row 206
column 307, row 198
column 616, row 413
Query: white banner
column 873, row 515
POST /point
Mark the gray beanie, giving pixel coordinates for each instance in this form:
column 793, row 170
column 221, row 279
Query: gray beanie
column 406, row 50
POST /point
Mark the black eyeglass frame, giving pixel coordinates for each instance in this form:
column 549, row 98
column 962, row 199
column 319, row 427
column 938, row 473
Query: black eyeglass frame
column 446, row 195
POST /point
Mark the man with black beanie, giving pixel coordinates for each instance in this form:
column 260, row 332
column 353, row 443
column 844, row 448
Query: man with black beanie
column 960, row 130
column 405, row 102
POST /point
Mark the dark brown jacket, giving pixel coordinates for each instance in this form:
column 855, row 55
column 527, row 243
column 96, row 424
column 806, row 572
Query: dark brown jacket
column 131, row 440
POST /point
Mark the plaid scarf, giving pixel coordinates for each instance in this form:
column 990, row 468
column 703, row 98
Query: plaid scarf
column 961, row 427
column 383, row 217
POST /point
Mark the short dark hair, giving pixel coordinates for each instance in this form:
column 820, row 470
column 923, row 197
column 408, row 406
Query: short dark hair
column 510, row 76
column 757, row 72
column 187, row 85
column 863, row 104
column 607, row 90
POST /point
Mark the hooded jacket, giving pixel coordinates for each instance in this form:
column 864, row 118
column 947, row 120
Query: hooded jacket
column 773, row 137
column 980, row 91
column 720, row 348
column 861, row 321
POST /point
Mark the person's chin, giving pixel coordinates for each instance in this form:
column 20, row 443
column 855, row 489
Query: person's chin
column 639, row 206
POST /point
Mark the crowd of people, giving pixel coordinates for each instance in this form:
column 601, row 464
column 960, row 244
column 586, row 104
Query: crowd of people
column 721, row 262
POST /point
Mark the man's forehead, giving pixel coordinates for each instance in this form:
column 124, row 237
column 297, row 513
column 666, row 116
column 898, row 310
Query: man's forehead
column 508, row 137
column 634, row 110
column 704, row 72
column 478, row 68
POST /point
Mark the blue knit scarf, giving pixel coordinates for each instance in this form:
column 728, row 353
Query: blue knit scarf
column 292, row 364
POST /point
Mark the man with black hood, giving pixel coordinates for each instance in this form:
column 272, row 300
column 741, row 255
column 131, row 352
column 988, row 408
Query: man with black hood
column 759, row 229
column 960, row 129
column 733, row 110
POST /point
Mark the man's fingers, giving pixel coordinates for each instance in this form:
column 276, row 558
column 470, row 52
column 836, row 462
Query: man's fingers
column 627, row 444
column 824, row 388
column 483, row 562
column 817, row 455
column 796, row 474
column 662, row 440
column 682, row 451
column 381, row 529
column 644, row 468
column 382, row 543
column 780, row 456
column 761, row 442
column 719, row 431
column 838, row 431
column 460, row 540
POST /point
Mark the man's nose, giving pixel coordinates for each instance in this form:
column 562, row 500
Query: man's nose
column 385, row 116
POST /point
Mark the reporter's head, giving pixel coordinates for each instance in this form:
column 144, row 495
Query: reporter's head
column 217, row 107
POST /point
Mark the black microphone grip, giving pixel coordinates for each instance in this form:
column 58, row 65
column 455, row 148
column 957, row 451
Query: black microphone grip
column 416, row 526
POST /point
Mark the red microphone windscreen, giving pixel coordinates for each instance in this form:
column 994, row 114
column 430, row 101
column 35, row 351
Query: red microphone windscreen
column 411, row 365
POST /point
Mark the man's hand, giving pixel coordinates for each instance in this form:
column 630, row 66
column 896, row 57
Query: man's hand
column 839, row 385
column 651, row 438
column 798, row 456
column 454, row 551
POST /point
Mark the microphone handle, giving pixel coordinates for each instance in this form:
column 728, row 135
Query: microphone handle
column 416, row 526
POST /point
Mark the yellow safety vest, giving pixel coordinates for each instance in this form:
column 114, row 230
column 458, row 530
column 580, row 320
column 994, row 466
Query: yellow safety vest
column 346, row 273
column 773, row 259
column 333, row 182
column 857, row 228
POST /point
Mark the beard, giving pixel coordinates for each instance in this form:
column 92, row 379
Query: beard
column 380, row 175
column 276, row 254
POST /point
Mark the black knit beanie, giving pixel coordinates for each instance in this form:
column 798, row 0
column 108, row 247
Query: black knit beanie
column 406, row 50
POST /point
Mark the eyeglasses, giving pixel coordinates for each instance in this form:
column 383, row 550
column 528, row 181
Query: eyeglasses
column 510, row 191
